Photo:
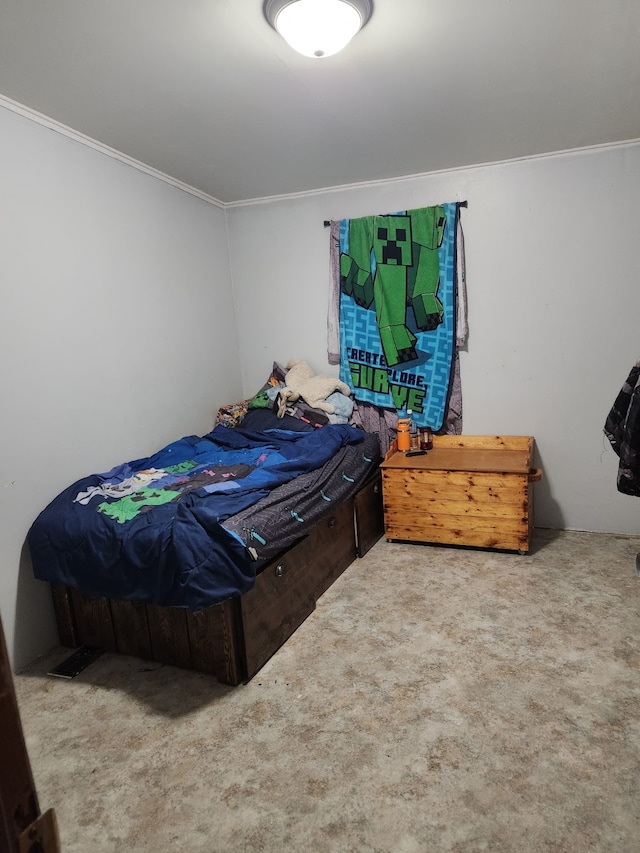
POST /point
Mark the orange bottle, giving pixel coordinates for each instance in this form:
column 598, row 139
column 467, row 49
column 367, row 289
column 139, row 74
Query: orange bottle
column 404, row 439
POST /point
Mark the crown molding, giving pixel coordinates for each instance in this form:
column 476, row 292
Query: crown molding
column 58, row 127
column 114, row 154
column 380, row 182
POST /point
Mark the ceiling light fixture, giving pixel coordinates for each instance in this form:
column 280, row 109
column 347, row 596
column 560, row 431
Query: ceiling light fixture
column 318, row 28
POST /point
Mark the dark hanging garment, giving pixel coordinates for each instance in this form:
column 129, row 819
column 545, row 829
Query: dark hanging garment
column 622, row 428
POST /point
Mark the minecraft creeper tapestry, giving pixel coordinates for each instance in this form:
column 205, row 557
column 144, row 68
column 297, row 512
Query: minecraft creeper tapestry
column 397, row 309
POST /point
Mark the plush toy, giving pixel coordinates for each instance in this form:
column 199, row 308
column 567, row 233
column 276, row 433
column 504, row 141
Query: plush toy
column 301, row 381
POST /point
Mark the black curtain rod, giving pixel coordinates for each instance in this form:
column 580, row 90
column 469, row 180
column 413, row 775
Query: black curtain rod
column 327, row 222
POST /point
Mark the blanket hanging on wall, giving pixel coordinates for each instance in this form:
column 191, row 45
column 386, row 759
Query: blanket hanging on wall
column 397, row 286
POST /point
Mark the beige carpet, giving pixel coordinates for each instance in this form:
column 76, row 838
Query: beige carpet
column 437, row 700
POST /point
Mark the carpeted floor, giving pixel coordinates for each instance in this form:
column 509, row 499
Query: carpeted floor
column 437, row 700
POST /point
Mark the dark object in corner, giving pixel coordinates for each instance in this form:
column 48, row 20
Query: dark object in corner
column 75, row 663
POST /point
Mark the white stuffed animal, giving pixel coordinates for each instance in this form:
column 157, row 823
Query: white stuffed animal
column 301, row 381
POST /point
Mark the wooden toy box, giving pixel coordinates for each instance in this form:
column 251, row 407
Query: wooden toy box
column 467, row 490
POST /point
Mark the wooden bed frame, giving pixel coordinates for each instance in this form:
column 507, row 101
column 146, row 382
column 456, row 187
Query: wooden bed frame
column 232, row 640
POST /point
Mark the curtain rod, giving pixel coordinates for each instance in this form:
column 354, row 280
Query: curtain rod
column 327, row 222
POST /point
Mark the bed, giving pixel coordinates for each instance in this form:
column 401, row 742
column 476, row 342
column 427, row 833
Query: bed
column 211, row 552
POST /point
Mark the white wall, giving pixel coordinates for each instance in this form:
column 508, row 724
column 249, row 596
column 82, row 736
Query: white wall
column 117, row 334
column 554, row 300
column 118, row 330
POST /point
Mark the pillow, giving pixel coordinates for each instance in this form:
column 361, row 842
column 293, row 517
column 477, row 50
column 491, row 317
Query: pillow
column 267, row 400
column 301, row 411
column 259, row 420
column 266, row 394
column 232, row 415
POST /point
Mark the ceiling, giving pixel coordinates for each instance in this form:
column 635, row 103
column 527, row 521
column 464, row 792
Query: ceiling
column 206, row 92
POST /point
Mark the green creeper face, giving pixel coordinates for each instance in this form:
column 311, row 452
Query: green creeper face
column 392, row 240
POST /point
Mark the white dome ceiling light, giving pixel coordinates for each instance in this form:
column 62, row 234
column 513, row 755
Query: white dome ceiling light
column 318, row 28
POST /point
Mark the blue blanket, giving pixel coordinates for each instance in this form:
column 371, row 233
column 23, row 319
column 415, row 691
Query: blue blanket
column 150, row 530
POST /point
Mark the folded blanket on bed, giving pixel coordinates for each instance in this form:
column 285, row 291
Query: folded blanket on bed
column 150, row 530
column 290, row 511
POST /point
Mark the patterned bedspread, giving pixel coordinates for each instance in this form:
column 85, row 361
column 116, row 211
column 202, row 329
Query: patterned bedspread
column 153, row 529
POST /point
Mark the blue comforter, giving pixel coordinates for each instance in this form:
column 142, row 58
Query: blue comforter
column 150, row 530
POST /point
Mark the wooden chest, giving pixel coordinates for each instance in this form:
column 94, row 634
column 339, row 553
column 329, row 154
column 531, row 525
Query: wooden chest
column 467, row 490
